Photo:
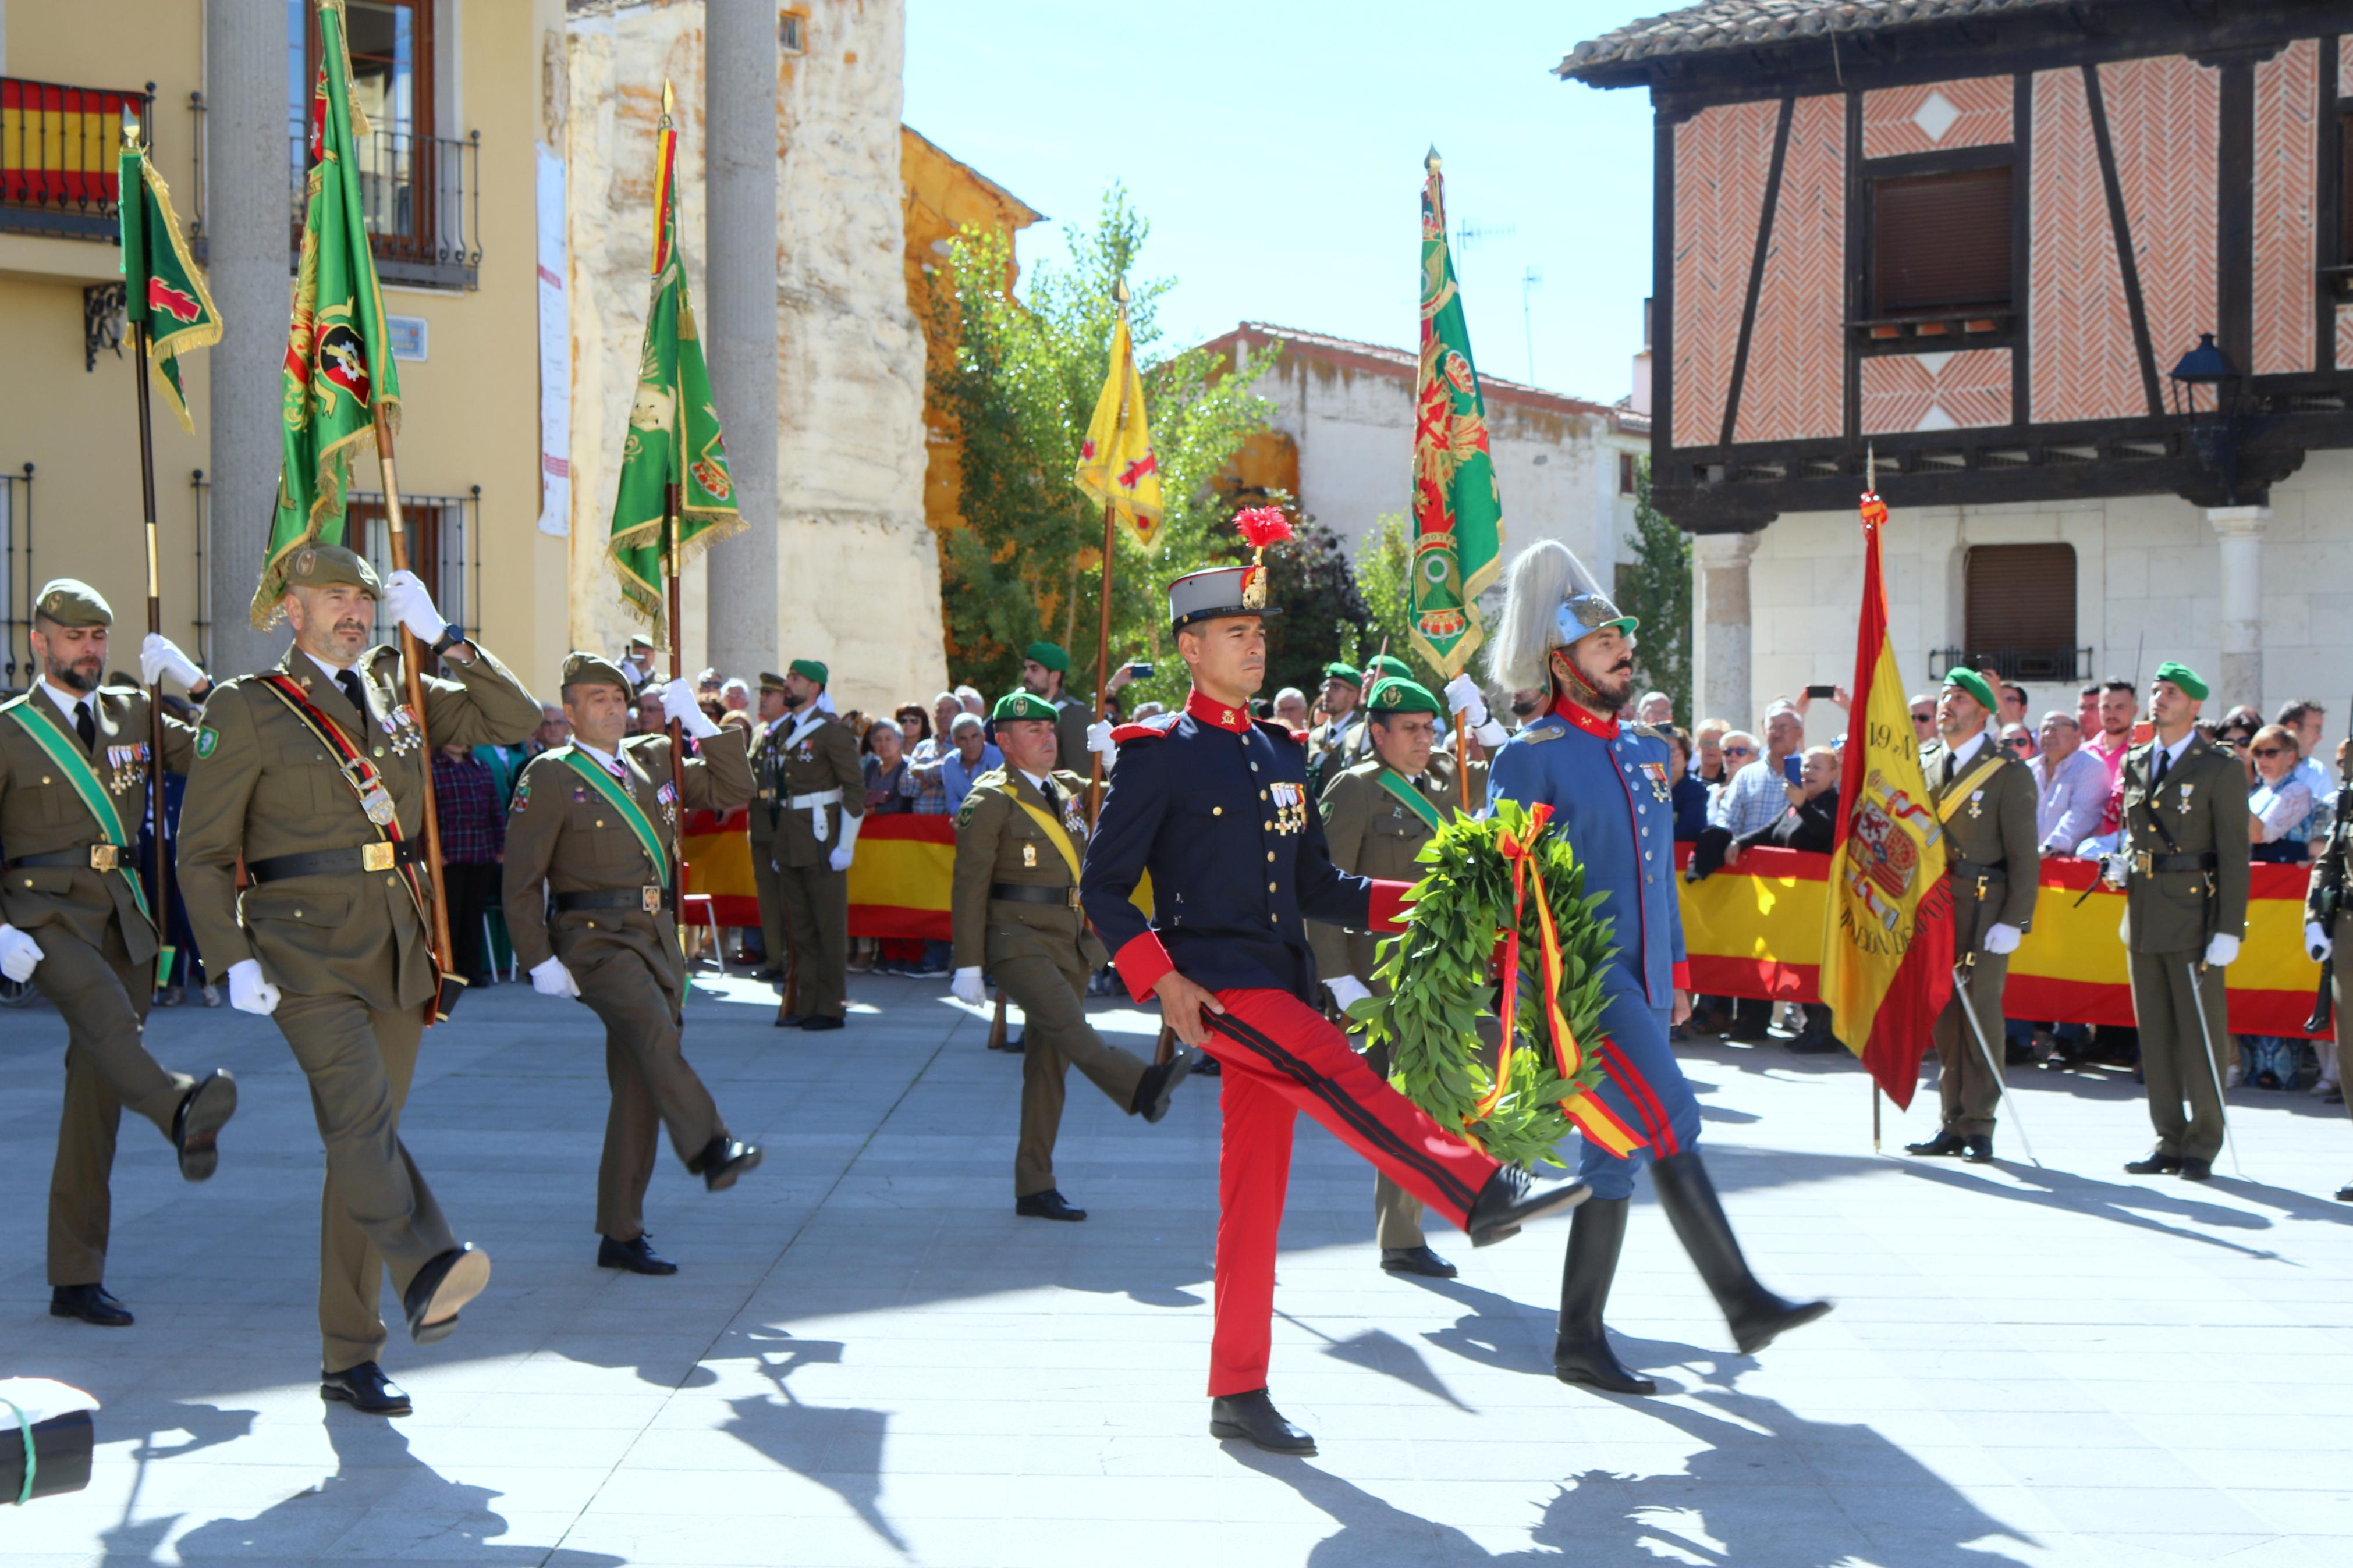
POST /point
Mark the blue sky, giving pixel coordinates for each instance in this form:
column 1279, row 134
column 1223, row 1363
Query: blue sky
column 1276, row 147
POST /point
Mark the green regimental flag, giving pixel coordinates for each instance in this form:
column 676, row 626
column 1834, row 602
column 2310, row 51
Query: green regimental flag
column 1458, row 512
column 674, row 436
column 338, row 369
column 162, row 290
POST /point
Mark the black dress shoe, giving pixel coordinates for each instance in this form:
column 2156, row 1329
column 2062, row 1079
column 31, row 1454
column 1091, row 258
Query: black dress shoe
column 1252, row 1418
column 821, row 1021
column 1160, row 1080
column 1416, row 1260
column 366, row 1389
column 1978, row 1149
column 1814, row 1043
column 195, row 1126
column 637, row 1256
column 768, row 972
column 2345, row 1193
column 1015, row 1043
column 2194, row 1169
column 2155, row 1163
column 91, row 1304
column 1946, row 1141
column 1048, row 1204
column 790, row 1020
column 723, row 1160
column 1210, row 1068
column 441, row 1288
column 1512, row 1197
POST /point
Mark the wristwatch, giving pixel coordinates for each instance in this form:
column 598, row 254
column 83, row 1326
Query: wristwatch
column 451, row 636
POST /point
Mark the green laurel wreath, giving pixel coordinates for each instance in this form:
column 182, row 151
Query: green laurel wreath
column 1437, row 971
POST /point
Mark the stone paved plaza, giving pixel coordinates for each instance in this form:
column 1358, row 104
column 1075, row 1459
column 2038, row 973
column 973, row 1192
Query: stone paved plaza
column 867, row 1359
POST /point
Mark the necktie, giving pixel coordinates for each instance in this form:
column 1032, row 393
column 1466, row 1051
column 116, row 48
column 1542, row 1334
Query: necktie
column 1053, row 796
column 85, row 726
column 350, row 682
column 2157, row 771
column 1952, row 766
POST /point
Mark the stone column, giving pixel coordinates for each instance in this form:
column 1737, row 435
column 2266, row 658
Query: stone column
column 2241, row 528
column 739, row 322
column 1720, row 643
column 248, row 205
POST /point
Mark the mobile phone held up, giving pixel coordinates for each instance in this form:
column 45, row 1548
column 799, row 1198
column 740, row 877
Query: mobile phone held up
column 1822, row 691
column 1139, row 670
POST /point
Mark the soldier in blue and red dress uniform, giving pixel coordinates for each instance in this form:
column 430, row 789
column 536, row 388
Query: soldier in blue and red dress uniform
column 1215, row 806
column 1609, row 785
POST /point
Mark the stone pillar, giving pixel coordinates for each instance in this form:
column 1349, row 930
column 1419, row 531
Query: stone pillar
column 739, row 321
column 1720, row 642
column 248, row 203
column 2241, row 679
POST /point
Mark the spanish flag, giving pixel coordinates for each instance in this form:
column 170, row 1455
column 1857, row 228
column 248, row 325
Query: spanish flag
column 1887, row 950
column 1117, row 464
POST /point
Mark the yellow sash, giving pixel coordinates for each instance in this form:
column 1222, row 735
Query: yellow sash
column 1045, row 819
column 1950, row 801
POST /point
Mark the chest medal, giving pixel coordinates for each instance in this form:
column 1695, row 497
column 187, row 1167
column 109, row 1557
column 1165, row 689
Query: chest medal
column 1290, row 801
column 376, row 801
column 2184, row 807
column 1657, row 773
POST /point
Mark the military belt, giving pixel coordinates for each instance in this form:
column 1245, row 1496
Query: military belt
column 1014, row 892
column 1973, row 872
column 2148, row 864
column 380, row 857
column 647, row 899
column 91, row 857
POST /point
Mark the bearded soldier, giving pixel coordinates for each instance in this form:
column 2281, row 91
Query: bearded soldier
column 315, row 775
column 824, row 793
column 75, row 770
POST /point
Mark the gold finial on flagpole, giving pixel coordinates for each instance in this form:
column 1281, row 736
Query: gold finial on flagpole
column 1119, row 293
column 129, row 129
column 1870, row 470
column 670, row 102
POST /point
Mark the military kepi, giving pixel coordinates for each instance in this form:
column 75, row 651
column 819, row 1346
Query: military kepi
column 1022, row 705
column 771, row 681
column 2184, row 677
column 593, row 669
column 1396, row 696
column 1970, row 681
column 1219, row 592
column 70, row 602
column 332, row 567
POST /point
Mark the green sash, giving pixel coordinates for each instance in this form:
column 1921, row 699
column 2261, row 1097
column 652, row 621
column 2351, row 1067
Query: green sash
column 64, row 750
column 621, row 800
column 1397, row 785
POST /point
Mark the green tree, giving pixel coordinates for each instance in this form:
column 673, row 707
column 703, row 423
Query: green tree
column 1384, row 556
column 1656, row 589
column 1026, row 564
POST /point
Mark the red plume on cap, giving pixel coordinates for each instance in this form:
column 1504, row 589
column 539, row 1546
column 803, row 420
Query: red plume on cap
column 1262, row 525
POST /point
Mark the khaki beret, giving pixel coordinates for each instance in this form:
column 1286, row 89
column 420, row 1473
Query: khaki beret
column 593, row 669
column 332, row 567
column 70, row 602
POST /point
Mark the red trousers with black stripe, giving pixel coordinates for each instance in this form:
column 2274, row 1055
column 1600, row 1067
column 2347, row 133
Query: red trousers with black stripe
column 1281, row 1057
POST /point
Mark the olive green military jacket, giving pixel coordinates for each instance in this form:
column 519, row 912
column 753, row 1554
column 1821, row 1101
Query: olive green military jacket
column 767, row 764
column 2332, row 867
column 1331, row 752
column 2199, row 808
column 40, row 813
column 996, row 841
column 262, row 785
column 817, row 752
column 564, row 837
column 1993, row 827
column 1072, row 717
column 1371, row 833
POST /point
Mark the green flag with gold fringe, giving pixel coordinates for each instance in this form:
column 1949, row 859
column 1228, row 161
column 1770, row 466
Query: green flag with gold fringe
column 162, row 290
column 1457, row 511
column 674, row 436
column 339, row 368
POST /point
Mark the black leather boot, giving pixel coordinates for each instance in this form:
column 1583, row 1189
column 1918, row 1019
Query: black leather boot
column 1755, row 1314
column 1582, row 1353
column 1252, row 1418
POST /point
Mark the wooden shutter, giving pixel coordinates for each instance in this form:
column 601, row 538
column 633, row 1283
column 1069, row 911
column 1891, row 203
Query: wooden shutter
column 1940, row 242
column 2020, row 597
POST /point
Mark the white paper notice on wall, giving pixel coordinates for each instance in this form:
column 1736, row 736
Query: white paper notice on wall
column 408, row 338
column 554, row 353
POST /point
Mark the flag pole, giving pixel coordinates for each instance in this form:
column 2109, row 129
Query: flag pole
column 677, row 740
column 1103, row 620
column 411, row 655
column 160, row 870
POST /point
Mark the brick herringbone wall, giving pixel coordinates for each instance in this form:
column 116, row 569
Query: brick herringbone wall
column 1890, row 117
column 1936, row 391
column 2165, row 115
column 1721, row 156
column 1795, row 359
column 2287, row 88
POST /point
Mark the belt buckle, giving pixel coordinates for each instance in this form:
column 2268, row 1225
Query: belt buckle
column 377, row 857
column 105, row 858
column 1071, row 896
column 2141, row 862
column 650, row 899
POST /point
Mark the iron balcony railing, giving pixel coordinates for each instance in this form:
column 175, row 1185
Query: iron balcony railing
column 422, row 195
column 2023, row 665
column 58, row 148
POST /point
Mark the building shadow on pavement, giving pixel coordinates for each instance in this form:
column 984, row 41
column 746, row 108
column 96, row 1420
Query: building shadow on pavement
column 838, row 1447
column 1757, row 1495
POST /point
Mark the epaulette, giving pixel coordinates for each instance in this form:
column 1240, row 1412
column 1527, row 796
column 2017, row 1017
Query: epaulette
column 1275, row 727
column 1548, row 728
column 1152, row 729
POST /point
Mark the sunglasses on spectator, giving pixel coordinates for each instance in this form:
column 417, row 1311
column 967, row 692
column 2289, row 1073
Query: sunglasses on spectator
column 2268, row 751
column 1740, row 751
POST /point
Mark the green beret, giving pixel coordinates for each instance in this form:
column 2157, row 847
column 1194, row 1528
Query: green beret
column 70, row 602
column 2184, row 677
column 1336, row 670
column 769, row 681
column 810, row 669
column 1052, row 654
column 331, row 566
column 1023, row 705
column 1392, row 695
column 593, row 669
column 1970, row 681
column 1382, row 664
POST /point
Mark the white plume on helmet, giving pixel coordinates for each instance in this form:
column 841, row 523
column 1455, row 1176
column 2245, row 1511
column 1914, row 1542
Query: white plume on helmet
column 1550, row 600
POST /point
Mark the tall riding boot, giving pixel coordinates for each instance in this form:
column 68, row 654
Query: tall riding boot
column 1755, row 1314
column 1581, row 1352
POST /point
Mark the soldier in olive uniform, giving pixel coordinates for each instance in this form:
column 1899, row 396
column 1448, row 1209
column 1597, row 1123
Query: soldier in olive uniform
column 1377, row 817
column 595, row 824
column 765, row 822
column 824, row 793
column 1985, row 798
column 1015, row 912
column 2329, row 914
column 1045, row 672
column 316, row 775
column 74, row 775
column 2184, row 866
column 1344, row 722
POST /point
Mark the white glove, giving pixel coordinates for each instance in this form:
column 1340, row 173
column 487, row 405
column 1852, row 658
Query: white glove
column 549, row 978
column 412, row 606
column 1099, row 737
column 1346, row 990
column 2221, row 949
column 1490, row 733
column 840, row 859
column 2001, row 939
column 678, row 703
column 2316, row 942
column 1462, row 697
column 19, row 954
column 965, row 987
column 249, row 992
column 159, row 655
column 2112, row 870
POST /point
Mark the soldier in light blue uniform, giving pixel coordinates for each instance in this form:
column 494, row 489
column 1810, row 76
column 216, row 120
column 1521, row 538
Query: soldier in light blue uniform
column 1610, row 793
